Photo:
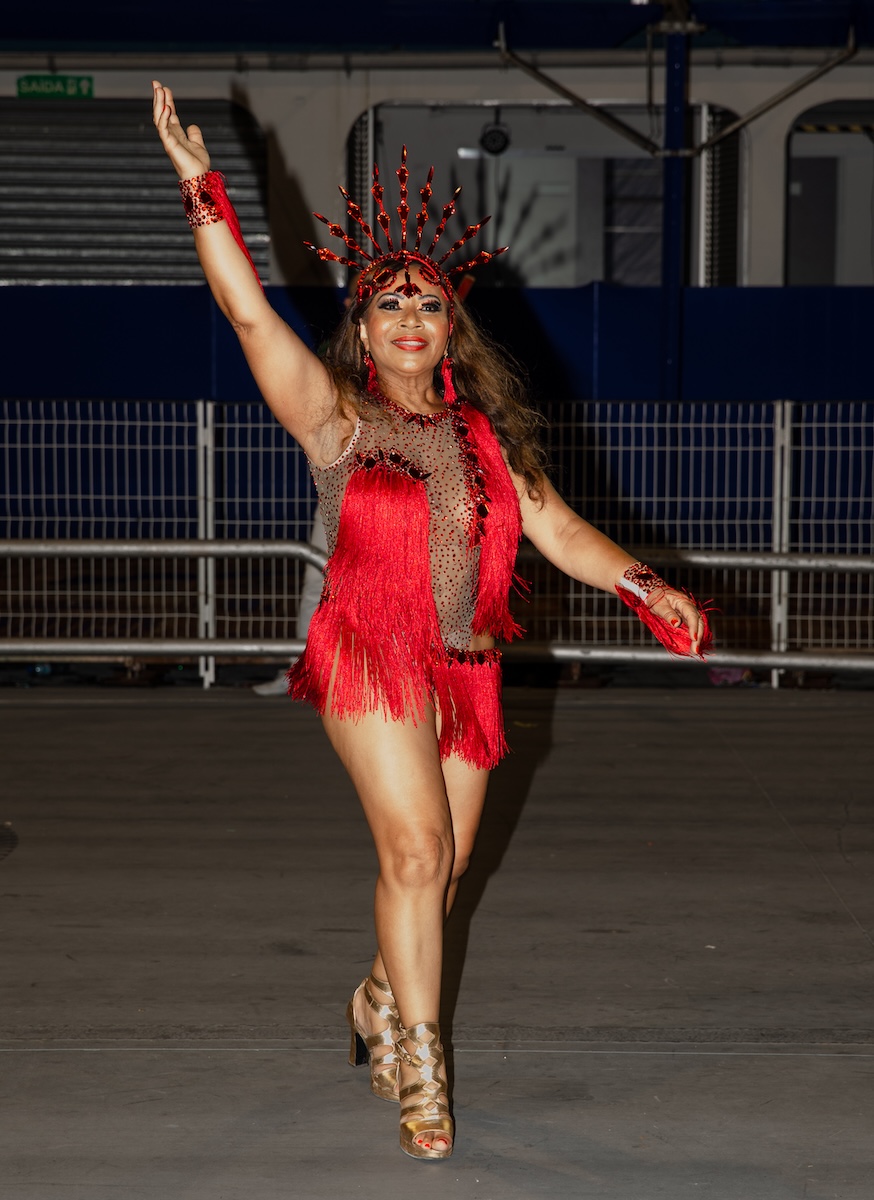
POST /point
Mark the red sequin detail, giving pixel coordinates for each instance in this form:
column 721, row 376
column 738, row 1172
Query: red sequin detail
column 423, row 420
column 403, row 208
column 199, row 202
column 448, row 210
column 391, row 460
column 422, row 216
column 474, row 479
column 338, row 232
column 479, row 260
column 645, row 578
column 354, row 211
column 471, row 231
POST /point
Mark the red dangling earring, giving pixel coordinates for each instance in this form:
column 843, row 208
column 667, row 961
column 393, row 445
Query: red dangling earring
column 449, row 394
column 372, row 382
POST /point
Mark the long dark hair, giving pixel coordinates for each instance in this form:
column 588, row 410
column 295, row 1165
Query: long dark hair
column 485, row 375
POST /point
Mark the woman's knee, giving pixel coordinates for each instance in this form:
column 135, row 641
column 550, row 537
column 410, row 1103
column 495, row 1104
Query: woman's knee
column 419, row 859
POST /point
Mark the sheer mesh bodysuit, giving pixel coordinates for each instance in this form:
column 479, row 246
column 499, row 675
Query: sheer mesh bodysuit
column 428, row 445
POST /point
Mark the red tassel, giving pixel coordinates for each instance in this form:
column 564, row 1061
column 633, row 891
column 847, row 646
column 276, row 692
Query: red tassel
column 503, row 531
column 675, row 638
column 467, row 686
column 449, row 394
column 216, row 182
column 372, row 381
column 376, row 626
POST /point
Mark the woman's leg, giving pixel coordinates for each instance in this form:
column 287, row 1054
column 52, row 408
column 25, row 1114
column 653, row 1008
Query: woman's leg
column 465, row 793
column 396, row 770
column 416, row 808
column 466, row 790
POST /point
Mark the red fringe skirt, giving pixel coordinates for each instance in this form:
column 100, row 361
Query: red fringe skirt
column 464, row 687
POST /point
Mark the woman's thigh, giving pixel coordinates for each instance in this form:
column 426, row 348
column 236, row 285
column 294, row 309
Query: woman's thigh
column 405, row 790
column 395, row 768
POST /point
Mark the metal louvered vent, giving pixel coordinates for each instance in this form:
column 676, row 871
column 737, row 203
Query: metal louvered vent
column 87, row 195
column 722, row 183
column 360, row 153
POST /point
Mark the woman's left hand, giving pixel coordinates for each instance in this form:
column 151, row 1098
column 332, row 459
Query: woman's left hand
column 677, row 609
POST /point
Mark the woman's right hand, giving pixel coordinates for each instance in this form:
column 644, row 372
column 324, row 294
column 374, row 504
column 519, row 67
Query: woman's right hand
column 184, row 147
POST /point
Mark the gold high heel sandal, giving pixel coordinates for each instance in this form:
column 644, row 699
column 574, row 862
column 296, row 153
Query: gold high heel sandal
column 383, row 1067
column 425, row 1115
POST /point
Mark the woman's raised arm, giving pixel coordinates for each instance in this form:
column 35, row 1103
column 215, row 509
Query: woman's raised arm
column 290, row 377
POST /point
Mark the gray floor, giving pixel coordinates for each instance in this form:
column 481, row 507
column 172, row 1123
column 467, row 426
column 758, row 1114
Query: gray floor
column 659, row 976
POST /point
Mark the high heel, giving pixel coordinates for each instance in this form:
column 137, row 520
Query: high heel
column 383, row 1067
column 425, row 1103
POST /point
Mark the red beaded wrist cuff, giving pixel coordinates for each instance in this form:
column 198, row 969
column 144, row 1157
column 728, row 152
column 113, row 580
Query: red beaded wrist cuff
column 643, row 581
column 200, row 204
column 640, row 585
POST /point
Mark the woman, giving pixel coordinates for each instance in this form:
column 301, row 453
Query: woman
column 424, row 498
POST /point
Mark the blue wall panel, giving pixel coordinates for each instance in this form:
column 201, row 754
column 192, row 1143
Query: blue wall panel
column 136, row 343
column 779, row 343
column 143, row 343
column 756, row 344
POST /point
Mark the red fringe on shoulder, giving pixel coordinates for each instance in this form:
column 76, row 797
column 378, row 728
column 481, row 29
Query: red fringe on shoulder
column 376, row 627
column 503, row 526
column 227, row 210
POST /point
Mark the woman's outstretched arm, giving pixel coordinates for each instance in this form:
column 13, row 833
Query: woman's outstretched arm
column 586, row 554
column 289, row 376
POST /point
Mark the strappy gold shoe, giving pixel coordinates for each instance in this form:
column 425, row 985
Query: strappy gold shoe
column 425, row 1104
column 365, row 1046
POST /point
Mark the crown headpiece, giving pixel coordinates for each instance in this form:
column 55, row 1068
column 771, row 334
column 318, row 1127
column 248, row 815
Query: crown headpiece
column 381, row 265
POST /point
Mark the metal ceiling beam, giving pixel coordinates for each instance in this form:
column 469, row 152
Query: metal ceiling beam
column 780, row 58
column 849, row 51
column 631, row 134
column 593, row 110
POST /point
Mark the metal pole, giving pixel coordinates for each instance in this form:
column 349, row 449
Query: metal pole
column 675, row 175
column 703, row 204
column 206, row 531
column 764, row 560
column 41, row 649
column 780, row 528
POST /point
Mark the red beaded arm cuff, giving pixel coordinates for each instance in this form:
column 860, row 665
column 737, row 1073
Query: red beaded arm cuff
column 199, row 200
column 206, row 201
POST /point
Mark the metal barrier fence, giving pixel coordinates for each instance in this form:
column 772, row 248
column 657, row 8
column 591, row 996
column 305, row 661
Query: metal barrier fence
column 737, row 482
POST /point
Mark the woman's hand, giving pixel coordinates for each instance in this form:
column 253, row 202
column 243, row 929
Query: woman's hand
column 184, row 147
column 677, row 609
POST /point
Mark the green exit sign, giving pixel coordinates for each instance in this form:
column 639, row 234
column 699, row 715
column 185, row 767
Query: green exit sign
column 56, row 87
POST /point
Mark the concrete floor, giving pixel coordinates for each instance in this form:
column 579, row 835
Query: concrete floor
column 659, row 981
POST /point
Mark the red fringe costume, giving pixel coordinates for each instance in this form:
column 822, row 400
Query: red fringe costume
column 423, row 524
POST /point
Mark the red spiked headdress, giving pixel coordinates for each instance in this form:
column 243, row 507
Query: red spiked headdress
column 381, row 266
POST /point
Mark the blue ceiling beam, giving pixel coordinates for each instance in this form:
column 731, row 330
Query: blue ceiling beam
column 397, row 26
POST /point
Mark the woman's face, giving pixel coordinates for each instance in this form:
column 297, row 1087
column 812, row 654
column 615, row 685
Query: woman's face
column 406, row 335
